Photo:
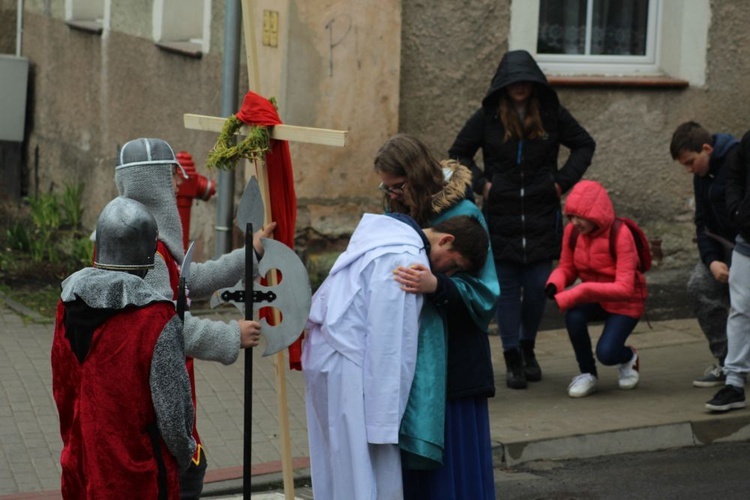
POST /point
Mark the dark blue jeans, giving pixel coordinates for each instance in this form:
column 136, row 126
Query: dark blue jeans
column 610, row 350
column 522, row 300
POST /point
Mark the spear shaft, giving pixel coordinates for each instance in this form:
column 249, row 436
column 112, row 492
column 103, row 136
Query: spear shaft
column 247, row 435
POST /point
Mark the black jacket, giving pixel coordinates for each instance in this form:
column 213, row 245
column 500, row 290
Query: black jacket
column 738, row 188
column 710, row 203
column 470, row 373
column 522, row 209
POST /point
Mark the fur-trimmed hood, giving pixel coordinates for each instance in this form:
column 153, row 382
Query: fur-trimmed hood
column 457, row 184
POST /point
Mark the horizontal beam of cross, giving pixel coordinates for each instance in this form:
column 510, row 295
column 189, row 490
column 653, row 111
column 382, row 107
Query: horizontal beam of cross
column 279, row 132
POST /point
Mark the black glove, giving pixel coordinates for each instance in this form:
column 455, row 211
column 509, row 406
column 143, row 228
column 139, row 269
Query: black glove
column 550, row 291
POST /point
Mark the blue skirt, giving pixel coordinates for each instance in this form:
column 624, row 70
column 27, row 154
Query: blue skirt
column 467, row 471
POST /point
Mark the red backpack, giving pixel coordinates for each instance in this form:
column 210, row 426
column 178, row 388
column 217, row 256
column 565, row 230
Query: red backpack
column 641, row 242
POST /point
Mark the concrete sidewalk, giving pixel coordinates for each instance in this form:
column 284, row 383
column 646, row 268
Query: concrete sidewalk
column 542, row 422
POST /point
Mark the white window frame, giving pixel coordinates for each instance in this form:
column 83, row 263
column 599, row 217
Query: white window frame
column 89, row 15
column 183, row 23
column 676, row 46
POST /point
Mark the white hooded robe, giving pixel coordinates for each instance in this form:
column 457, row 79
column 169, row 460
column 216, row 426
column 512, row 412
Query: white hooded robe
column 358, row 362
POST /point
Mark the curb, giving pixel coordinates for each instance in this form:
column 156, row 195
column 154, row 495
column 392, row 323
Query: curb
column 265, row 477
column 219, row 482
column 640, row 439
column 24, row 311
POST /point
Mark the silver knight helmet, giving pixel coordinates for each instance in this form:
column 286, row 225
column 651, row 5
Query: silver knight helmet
column 143, row 172
column 147, row 151
column 126, row 236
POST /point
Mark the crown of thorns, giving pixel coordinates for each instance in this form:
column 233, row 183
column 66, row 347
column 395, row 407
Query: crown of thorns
column 225, row 153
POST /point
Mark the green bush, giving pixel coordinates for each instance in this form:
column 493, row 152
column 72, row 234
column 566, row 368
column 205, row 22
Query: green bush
column 18, row 238
column 70, row 203
column 54, row 234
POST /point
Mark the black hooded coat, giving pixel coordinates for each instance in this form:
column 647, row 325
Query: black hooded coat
column 522, row 209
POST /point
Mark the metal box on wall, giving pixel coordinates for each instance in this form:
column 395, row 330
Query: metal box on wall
column 14, row 76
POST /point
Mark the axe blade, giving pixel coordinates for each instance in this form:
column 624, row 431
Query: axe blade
column 293, row 296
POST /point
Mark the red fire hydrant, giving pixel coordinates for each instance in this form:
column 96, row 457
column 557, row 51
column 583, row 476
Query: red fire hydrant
column 196, row 186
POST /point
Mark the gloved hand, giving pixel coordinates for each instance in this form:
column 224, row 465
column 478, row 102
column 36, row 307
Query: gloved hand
column 550, row 291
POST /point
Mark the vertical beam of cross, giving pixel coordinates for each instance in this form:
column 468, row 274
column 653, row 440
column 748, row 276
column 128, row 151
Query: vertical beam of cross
column 279, row 132
column 253, row 71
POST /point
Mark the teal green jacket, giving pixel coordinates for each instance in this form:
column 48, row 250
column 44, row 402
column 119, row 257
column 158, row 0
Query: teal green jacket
column 421, row 436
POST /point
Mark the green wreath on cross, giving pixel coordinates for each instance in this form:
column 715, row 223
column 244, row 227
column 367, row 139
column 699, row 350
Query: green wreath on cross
column 225, row 153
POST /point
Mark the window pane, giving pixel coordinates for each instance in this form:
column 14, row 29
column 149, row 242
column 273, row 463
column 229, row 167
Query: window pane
column 562, row 27
column 619, row 27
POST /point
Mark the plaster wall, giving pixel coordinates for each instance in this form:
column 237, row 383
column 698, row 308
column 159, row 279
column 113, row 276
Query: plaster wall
column 90, row 94
column 344, row 66
column 443, row 83
column 7, row 27
column 372, row 68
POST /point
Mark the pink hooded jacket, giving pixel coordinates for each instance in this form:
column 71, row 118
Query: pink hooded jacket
column 616, row 284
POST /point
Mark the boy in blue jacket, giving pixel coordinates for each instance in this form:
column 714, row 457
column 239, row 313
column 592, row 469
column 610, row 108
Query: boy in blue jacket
column 704, row 156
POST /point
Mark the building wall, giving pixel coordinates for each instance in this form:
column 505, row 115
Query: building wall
column 92, row 93
column 372, row 68
column 443, row 83
column 343, row 74
column 7, row 27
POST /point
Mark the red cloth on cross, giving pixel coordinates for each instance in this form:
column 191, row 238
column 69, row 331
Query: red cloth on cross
column 257, row 110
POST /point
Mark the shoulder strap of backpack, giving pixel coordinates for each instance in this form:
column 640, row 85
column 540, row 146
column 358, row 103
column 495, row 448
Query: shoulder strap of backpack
column 616, row 225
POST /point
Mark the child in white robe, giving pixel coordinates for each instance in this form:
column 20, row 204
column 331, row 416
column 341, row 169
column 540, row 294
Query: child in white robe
column 360, row 352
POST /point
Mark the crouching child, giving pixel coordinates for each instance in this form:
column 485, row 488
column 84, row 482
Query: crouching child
column 600, row 250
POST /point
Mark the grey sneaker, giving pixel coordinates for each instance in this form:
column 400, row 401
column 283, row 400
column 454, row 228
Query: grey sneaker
column 712, row 377
column 728, row 398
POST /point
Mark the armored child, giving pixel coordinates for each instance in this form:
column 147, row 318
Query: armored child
column 118, row 369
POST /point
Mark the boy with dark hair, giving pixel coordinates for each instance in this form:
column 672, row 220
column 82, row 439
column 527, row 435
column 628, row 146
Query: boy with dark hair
column 360, row 354
column 118, row 370
column 737, row 366
column 469, row 240
column 704, row 156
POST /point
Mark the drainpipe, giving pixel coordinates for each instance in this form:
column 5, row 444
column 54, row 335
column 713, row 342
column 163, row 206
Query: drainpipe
column 19, row 27
column 229, row 89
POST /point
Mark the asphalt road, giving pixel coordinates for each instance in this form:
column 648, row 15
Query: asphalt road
column 718, row 471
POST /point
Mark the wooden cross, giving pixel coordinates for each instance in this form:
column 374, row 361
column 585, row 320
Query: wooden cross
column 279, row 132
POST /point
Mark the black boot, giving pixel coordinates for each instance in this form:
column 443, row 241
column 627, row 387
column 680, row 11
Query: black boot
column 530, row 365
column 515, row 378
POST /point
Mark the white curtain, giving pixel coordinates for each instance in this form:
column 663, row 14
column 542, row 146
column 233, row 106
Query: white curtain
column 618, row 27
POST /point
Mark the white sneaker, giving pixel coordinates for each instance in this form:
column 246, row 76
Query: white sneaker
column 629, row 375
column 582, row 385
